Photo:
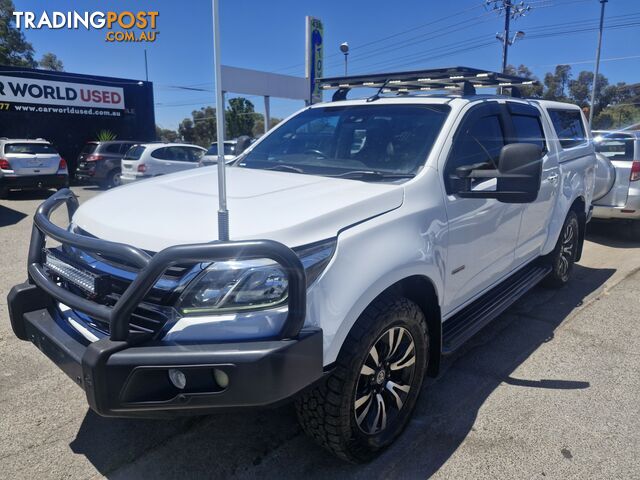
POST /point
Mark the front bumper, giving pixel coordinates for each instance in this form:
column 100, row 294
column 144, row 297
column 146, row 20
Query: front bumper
column 20, row 182
column 126, row 380
column 126, row 374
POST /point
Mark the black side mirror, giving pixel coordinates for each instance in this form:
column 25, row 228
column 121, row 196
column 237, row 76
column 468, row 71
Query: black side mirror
column 518, row 175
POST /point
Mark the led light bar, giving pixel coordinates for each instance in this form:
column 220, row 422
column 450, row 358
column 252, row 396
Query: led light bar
column 84, row 280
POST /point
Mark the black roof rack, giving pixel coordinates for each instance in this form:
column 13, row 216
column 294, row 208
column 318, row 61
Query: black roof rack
column 462, row 80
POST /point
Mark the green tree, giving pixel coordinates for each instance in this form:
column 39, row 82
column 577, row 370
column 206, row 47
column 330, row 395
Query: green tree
column 258, row 127
column 528, row 91
column 240, row 117
column 556, row 83
column 50, row 61
column 166, row 134
column 15, row 51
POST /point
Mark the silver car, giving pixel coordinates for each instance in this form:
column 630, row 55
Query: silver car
column 622, row 199
column 29, row 164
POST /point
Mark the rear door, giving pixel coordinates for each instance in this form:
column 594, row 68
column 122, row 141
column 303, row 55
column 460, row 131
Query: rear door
column 528, row 127
column 619, row 149
column 32, row 158
column 177, row 158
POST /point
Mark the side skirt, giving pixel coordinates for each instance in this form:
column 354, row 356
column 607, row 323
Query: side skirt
column 468, row 321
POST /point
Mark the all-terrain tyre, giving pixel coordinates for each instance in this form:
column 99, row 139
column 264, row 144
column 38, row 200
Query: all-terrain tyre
column 367, row 400
column 564, row 255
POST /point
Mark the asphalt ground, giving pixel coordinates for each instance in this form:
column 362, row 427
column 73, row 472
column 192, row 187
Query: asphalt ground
column 551, row 389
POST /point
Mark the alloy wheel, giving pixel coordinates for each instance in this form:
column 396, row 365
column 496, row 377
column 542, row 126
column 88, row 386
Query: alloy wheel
column 385, row 380
column 567, row 250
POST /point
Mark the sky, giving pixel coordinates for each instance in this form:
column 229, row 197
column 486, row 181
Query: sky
column 383, row 36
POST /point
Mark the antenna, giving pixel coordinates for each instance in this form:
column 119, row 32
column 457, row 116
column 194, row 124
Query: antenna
column 223, row 213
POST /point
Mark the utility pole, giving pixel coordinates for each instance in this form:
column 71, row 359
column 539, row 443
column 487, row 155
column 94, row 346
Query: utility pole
column 146, row 66
column 511, row 11
column 597, row 68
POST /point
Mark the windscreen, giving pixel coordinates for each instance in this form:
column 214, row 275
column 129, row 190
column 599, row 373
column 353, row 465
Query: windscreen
column 339, row 140
column 29, row 148
column 134, row 153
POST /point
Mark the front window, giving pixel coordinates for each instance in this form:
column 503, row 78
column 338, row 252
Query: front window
column 368, row 142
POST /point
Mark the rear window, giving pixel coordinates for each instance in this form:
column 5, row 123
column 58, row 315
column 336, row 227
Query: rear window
column 89, row 148
column 113, row 148
column 134, row 153
column 568, row 126
column 29, row 148
column 615, row 147
column 529, row 130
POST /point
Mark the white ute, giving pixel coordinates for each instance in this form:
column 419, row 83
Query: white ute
column 368, row 238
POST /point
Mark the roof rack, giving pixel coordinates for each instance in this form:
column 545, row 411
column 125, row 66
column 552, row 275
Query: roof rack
column 458, row 80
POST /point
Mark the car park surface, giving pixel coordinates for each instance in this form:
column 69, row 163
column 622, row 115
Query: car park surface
column 550, row 388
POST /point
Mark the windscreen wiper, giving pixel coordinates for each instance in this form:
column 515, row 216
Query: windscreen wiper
column 286, row 168
column 372, row 175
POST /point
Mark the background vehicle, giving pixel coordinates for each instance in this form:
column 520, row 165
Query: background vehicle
column 152, row 159
column 371, row 237
column 232, row 148
column 29, row 164
column 622, row 200
column 99, row 162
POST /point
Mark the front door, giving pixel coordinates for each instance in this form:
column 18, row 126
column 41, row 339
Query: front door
column 482, row 232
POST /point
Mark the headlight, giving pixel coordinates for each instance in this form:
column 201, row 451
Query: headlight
column 249, row 284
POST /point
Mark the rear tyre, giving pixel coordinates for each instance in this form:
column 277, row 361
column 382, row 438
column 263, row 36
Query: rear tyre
column 113, row 179
column 564, row 255
column 367, row 400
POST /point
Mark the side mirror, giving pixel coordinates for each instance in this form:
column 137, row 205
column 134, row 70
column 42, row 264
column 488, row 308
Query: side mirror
column 518, row 175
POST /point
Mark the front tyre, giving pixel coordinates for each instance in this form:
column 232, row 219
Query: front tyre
column 367, row 400
column 564, row 255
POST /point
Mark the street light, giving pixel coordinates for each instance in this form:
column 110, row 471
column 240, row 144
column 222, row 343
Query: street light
column 344, row 48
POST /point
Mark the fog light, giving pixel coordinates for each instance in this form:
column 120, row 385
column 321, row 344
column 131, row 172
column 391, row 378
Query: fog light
column 222, row 379
column 178, row 378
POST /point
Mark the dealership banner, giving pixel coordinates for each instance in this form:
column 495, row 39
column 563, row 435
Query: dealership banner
column 47, row 92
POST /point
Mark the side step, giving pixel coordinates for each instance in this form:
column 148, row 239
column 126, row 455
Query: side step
column 468, row 321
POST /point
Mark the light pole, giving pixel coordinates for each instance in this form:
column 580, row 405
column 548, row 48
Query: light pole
column 597, row 68
column 511, row 11
column 344, row 48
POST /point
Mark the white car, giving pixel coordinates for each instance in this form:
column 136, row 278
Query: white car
column 369, row 238
column 211, row 157
column 30, row 164
column 153, row 159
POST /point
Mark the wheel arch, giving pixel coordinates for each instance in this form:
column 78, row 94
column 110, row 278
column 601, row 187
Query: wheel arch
column 422, row 291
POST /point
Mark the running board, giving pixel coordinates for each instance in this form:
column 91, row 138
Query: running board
column 468, row 321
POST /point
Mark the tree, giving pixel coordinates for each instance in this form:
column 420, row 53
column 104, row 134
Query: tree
column 166, row 134
column 528, row 91
column 200, row 128
column 556, row 83
column 50, row 61
column 15, row 51
column 240, row 117
column 258, row 127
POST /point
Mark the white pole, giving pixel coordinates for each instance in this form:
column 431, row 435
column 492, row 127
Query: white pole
column 267, row 114
column 223, row 213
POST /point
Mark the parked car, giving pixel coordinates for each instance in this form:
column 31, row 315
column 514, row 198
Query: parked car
column 99, row 162
column 30, row 164
column 621, row 201
column 370, row 238
column 232, row 148
column 153, row 159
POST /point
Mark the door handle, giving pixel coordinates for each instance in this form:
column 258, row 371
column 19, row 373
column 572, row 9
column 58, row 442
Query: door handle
column 553, row 178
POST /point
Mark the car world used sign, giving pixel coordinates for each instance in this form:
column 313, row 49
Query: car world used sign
column 47, row 92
